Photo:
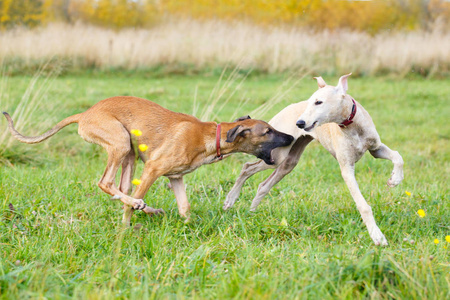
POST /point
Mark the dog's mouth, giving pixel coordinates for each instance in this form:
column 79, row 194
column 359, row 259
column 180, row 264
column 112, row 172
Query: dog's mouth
column 267, row 157
column 311, row 127
column 272, row 160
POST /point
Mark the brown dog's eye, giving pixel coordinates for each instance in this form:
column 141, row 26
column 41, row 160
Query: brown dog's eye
column 318, row 102
column 268, row 131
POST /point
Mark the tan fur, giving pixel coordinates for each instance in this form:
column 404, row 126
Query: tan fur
column 347, row 145
column 178, row 144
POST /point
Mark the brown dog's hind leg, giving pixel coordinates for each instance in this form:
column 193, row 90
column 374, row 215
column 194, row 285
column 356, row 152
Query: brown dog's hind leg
column 149, row 175
column 115, row 158
column 127, row 173
column 115, row 139
column 125, row 184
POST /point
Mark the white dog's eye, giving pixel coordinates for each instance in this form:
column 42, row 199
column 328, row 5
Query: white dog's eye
column 318, row 102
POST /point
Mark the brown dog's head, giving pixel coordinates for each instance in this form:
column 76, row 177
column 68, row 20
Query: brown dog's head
column 257, row 138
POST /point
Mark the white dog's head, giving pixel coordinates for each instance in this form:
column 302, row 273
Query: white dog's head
column 325, row 105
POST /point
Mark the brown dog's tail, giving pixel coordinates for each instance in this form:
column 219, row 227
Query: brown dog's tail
column 42, row 137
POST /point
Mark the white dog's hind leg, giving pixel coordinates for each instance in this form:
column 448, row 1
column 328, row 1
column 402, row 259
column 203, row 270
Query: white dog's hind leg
column 348, row 173
column 285, row 168
column 248, row 170
column 386, row 153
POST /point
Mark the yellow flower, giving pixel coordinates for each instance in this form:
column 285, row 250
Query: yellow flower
column 436, row 241
column 136, row 132
column 408, row 193
column 143, row 147
column 284, row 222
column 447, row 238
column 421, row 213
column 136, row 181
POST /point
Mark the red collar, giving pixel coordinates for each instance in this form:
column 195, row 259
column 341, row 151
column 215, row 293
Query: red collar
column 218, row 133
column 349, row 120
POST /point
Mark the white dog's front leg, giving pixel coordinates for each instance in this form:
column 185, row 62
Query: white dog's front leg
column 348, row 173
column 248, row 170
column 282, row 170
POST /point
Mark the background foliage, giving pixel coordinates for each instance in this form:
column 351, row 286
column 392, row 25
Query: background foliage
column 370, row 16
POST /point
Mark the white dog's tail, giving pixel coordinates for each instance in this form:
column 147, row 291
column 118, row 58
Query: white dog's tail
column 42, row 137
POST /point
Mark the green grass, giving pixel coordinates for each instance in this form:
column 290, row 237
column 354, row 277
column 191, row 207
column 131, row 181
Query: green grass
column 64, row 238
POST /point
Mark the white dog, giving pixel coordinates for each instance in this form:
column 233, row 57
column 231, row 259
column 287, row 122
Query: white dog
column 343, row 127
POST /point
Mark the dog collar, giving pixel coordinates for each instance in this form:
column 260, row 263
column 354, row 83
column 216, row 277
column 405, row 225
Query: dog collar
column 349, row 120
column 218, row 133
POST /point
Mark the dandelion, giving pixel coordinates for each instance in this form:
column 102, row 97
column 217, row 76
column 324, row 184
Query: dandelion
column 136, row 132
column 136, row 181
column 284, row 222
column 421, row 213
column 143, row 147
column 436, row 241
column 408, row 193
column 447, row 238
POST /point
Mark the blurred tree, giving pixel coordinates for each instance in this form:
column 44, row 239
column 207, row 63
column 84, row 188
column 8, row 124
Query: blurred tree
column 117, row 13
column 370, row 16
column 23, row 12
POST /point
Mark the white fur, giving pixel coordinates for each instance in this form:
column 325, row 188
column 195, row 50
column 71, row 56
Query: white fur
column 347, row 145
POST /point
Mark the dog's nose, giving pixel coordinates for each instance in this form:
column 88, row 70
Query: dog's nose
column 290, row 138
column 301, row 124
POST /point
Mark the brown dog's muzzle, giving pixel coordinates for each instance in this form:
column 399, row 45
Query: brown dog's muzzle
column 279, row 139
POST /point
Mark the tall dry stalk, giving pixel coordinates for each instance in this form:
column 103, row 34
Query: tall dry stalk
column 221, row 90
column 218, row 44
column 227, row 86
column 23, row 112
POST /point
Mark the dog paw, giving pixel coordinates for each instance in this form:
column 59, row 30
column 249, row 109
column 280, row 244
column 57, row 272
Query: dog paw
column 227, row 205
column 139, row 204
column 153, row 211
column 395, row 180
column 378, row 237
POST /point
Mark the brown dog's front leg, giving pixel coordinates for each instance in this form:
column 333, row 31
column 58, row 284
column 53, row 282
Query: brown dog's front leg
column 180, row 194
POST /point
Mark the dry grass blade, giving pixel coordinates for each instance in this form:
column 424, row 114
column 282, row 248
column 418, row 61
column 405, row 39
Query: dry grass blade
column 292, row 81
column 211, row 111
column 24, row 110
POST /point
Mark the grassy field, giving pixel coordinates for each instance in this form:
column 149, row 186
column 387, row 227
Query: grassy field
column 61, row 237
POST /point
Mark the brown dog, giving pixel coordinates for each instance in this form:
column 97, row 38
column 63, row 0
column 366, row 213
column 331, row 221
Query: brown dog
column 177, row 144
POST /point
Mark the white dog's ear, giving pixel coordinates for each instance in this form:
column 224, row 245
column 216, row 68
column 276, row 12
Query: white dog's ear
column 342, row 86
column 320, row 82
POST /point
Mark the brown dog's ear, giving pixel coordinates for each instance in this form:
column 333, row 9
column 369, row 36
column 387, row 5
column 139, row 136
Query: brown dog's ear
column 242, row 118
column 233, row 133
